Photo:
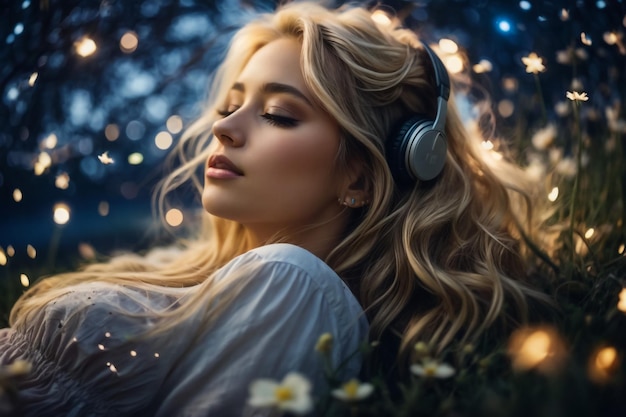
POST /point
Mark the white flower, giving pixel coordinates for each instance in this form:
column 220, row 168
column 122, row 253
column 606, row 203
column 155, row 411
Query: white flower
column 293, row 394
column 533, row 63
column 353, row 390
column 543, row 138
column 433, row 369
column 105, row 158
column 576, row 96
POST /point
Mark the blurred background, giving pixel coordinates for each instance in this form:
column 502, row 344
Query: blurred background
column 93, row 94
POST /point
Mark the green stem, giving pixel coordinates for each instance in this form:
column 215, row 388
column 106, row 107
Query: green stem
column 579, row 152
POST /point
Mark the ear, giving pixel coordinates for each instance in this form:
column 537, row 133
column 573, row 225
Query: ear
column 356, row 188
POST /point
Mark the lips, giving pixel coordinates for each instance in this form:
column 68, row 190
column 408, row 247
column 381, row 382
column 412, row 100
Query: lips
column 220, row 162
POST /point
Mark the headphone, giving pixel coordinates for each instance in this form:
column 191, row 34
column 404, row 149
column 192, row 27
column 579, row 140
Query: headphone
column 417, row 148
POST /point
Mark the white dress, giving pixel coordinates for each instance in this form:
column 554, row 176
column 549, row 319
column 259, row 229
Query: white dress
column 86, row 363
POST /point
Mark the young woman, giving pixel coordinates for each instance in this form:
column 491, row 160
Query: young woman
column 339, row 184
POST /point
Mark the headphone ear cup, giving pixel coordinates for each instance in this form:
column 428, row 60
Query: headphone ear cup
column 396, row 149
column 426, row 152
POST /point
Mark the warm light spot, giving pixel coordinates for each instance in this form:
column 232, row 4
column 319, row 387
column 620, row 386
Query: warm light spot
column 174, row 124
column 61, row 213
column 10, row 251
column 112, row 132
column 621, row 305
column 31, row 251
column 24, row 280
column 174, row 217
column 506, row 108
column 539, row 348
column 453, row 63
column 156, row 355
column 448, row 46
column 107, row 334
column 43, row 162
column 381, row 18
column 606, row 357
column 85, row 47
column 135, row 158
column 3, row 257
column 564, row 14
column 50, row 141
column 163, row 140
column 17, row 195
column 589, row 233
column 603, row 364
column 554, row 194
column 610, row 38
column 86, row 250
column 534, row 349
column 129, row 42
column 62, row 181
column 621, row 249
column 103, row 208
column 32, row 78
column 510, row 84
column 585, row 39
column 487, row 145
column 113, row 368
column 133, row 353
column 483, row 66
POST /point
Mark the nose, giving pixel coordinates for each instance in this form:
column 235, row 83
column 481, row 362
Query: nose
column 228, row 132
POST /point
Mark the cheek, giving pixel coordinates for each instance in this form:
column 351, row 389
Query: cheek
column 307, row 156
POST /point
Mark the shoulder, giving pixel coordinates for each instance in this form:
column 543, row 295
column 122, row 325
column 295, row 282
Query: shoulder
column 283, row 275
column 283, row 261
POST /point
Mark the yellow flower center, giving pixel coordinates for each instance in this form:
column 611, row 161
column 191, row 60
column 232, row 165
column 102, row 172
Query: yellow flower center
column 430, row 370
column 283, row 394
column 351, row 387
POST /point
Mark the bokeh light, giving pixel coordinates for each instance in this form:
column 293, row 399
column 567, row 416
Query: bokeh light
column 129, row 42
column 163, row 140
column 112, row 132
column 85, row 47
column 17, row 195
column 174, row 124
column 135, row 158
column 61, row 213
column 539, row 348
column 24, row 280
column 174, row 217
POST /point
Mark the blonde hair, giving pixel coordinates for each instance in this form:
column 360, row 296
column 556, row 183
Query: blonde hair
column 436, row 262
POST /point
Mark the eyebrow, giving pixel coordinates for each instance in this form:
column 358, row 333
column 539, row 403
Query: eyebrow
column 275, row 88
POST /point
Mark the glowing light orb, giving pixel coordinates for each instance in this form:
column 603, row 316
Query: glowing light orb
column 24, row 280
column 61, row 213
column 129, row 42
column 174, row 217
column 85, row 47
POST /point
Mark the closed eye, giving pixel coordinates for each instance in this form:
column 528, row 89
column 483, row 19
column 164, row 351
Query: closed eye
column 280, row 121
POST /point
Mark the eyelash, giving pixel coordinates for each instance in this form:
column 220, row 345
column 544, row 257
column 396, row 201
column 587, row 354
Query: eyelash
column 272, row 119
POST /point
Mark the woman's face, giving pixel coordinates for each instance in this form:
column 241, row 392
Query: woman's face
column 274, row 167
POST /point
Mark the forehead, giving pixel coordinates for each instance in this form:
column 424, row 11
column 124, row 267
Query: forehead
column 278, row 60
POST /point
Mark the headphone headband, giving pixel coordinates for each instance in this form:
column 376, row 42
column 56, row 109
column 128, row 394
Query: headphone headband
column 417, row 150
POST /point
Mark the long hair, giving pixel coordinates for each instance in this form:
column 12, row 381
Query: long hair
column 436, row 262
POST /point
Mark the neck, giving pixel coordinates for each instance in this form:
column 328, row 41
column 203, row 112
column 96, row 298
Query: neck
column 320, row 240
